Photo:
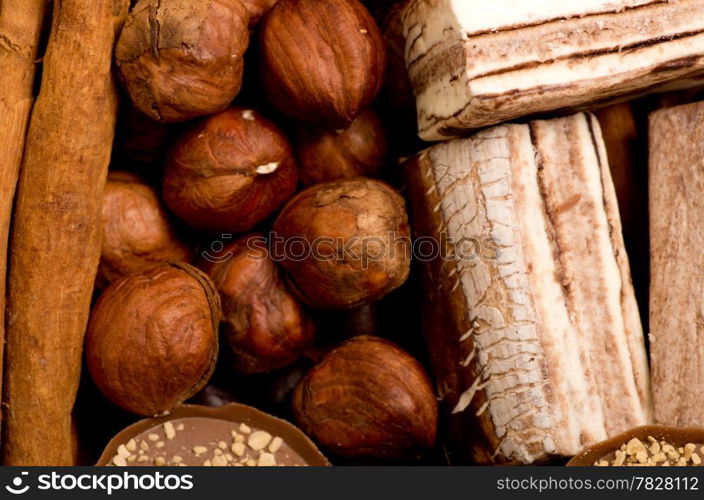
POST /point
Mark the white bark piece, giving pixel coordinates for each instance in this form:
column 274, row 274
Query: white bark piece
column 536, row 342
column 676, row 173
column 475, row 63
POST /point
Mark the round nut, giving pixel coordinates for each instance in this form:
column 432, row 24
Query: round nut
column 180, row 59
column 229, row 172
column 344, row 243
column 328, row 155
column 152, row 338
column 368, row 398
column 264, row 324
column 321, row 62
column 137, row 231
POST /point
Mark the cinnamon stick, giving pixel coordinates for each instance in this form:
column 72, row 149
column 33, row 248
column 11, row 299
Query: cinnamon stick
column 21, row 23
column 55, row 245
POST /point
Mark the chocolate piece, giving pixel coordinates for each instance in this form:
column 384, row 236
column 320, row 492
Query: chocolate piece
column 232, row 435
column 653, row 445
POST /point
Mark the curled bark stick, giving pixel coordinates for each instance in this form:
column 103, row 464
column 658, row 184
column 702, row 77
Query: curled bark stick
column 55, row 243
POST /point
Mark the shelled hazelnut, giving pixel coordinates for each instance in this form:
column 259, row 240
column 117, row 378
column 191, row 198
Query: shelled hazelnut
column 328, row 155
column 180, row 59
column 229, row 172
column 263, row 323
column 152, row 338
column 368, row 398
column 137, row 231
column 321, row 62
column 344, row 243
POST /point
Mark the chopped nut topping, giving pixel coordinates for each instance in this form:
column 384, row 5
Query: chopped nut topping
column 169, row 430
column 159, row 461
column 123, row 451
column 153, row 437
column 245, row 428
column 119, row 461
column 266, row 460
column 131, row 445
column 238, row 449
column 258, row 440
column 275, row 444
column 653, row 453
column 199, row 450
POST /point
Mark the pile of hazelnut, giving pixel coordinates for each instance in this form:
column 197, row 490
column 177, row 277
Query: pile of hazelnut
column 255, row 240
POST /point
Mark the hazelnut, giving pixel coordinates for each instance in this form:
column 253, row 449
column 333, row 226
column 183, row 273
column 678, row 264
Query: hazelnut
column 137, row 232
column 257, row 9
column 229, row 172
column 368, row 398
column 328, row 155
column 263, row 323
column 344, row 243
column 152, row 338
column 321, row 62
column 180, row 59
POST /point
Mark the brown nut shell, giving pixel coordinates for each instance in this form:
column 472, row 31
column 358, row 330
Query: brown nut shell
column 179, row 59
column 257, row 9
column 229, row 172
column 152, row 338
column 137, row 231
column 327, row 155
column 368, row 398
column 263, row 323
column 321, row 62
column 344, row 243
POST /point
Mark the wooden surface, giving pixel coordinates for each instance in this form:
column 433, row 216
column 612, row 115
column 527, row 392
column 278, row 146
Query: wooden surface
column 535, row 340
column 677, row 264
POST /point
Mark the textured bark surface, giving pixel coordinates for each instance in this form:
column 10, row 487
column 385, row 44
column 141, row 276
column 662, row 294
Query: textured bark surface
column 530, row 316
column 56, row 232
column 477, row 63
column 21, row 23
column 677, row 264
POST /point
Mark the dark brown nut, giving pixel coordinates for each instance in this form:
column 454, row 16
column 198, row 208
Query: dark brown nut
column 137, row 232
column 152, row 338
column 322, row 62
column 180, row 59
column 328, row 155
column 263, row 323
column 229, row 172
column 368, row 398
column 344, row 243
column 257, row 9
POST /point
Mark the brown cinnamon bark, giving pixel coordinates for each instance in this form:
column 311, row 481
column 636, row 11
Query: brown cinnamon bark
column 55, row 243
column 21, row 24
